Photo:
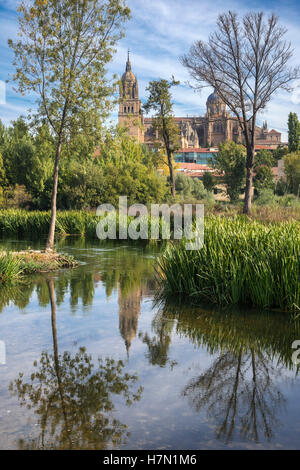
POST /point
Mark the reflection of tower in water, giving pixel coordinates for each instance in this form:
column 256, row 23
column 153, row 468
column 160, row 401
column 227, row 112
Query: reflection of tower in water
column 129, row 311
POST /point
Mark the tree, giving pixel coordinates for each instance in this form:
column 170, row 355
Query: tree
column 230, row 163
column 246, row 62
column 189, row 187
column 294, row 132
column 292, row 171
column 159, row 101
column 72, row 396
column 280, row 152
column 209, row 181
column 61, row 57
column 263, row 178
column 264, row 157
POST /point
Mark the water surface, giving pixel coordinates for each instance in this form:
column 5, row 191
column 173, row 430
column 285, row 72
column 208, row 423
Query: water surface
column 103, row 366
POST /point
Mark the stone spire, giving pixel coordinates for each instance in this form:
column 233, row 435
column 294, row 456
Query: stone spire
column 128, row 64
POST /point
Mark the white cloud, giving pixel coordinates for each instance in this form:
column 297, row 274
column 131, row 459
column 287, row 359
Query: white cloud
column 158, row 33
column 162, row 30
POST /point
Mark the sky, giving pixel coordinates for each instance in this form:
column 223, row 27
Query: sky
column 159, row 32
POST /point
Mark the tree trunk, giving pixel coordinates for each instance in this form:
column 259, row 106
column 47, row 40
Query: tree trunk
column 50, row 239
column 50, row 285
column 249, row 177
column 171, row 169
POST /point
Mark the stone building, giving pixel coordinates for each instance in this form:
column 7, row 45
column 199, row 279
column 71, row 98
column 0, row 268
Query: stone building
column 130, row 112
column 195, row 132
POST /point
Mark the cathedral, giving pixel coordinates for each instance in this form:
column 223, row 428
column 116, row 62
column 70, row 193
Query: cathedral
column 196, row 132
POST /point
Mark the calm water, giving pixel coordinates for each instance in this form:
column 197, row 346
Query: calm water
column 102, row 366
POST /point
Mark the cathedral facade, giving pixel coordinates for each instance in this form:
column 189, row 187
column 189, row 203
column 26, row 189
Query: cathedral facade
column 215, row 127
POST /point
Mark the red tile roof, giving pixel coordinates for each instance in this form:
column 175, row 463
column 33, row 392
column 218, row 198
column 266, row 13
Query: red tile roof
column 194, row 149
column 192, row 166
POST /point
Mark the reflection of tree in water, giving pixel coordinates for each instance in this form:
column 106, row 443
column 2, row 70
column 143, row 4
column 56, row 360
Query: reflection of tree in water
column 19, row 294
column 73, row 397
column 127, row 271
column 121, row 269
column 158, row 345
column 239, row 390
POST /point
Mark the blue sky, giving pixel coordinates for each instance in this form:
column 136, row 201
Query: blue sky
column 158, row 33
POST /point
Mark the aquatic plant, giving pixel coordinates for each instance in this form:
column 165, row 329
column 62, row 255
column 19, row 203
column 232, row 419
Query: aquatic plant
column 10, row 268
column 14, row 265
column 241, row 262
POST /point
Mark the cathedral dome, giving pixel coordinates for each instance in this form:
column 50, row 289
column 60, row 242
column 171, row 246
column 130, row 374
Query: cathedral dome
column 128, row 75
column 215, row 105
column 214, row 98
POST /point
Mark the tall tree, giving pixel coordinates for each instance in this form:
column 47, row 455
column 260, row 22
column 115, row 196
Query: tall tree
column 230, row 163
column 160, row 101
column 294, row 132
column 246, row 61
column 292, row 171
column 61, row 56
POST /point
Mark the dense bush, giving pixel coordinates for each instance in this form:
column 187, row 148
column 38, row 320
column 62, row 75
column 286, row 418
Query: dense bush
column 187, row 187
column 121, row 167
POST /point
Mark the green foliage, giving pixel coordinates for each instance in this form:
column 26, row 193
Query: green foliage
column 61, row 54
column 264, row 157
column 129, row 170
column 266, row 197
column 123, row 168
column 13, row 266
column 160, row 101
column 10, row 269
column 241, row 262
column 188, row 187
column 2, row 173
column 292, row 171
column 281, row 187
column 294, row 132
column 280, row 152
column 230, row 161
column 209, row 181
column 263, row 178
column 60, row 57
column 72, row 397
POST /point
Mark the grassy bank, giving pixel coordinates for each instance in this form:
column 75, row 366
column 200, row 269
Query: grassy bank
column 35, row 224
column 20, row 223
column 242, row 262
column 15, row 265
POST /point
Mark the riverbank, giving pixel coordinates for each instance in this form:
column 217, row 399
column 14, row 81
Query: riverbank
column 242, row 262
column 15, row 265
column 21, row 223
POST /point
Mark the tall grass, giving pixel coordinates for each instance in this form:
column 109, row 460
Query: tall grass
column 20, row 223
column 242, row 262
column 10, row 268
column 33, row 224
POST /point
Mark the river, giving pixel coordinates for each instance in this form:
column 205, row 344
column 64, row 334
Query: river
column 90, row 360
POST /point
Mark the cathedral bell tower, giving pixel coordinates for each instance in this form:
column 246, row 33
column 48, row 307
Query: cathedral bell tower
column 130, row 113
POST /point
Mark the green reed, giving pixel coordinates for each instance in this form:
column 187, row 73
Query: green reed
column 10, row 268
column 20, row 223
column 241, row 262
